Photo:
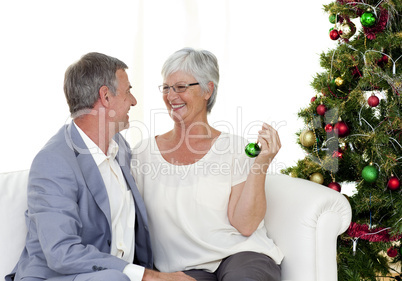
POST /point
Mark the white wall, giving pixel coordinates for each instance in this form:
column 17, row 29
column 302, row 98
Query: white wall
column 268, row 53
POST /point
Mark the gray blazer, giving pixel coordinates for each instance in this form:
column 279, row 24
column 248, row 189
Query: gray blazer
column 68, row 216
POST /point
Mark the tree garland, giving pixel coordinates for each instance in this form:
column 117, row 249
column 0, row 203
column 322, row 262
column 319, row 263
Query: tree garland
column 378, row 234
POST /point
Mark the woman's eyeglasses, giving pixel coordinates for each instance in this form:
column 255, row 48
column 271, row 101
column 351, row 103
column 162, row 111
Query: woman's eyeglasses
column 178, row 87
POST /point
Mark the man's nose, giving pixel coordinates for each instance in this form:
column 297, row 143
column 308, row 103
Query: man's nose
column 133, row 100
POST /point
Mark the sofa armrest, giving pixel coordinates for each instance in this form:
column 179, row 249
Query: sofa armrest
column 13, row 203
column 304, row 219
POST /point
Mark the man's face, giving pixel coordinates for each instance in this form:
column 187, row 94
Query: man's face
column 121, row 103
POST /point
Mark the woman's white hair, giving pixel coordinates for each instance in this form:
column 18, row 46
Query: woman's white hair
column 201, row 64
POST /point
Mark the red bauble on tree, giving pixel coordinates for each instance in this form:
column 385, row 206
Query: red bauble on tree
column 393, row 183
column 373, row 101
column 341, row 129
column 382, row 61
column 337, row 154
column 313, row 99
column 335, row 186
column 334, row 34
column 321, row 109
column 328, row 128
column 392, row 252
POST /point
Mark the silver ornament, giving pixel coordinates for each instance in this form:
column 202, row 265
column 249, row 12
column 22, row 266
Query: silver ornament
column 348, row 29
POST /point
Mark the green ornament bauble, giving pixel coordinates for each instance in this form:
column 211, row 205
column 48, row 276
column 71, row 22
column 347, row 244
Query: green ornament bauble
column 367, row 19
column 252, row 149
column 370, row 174
column 333, row 18
column 332, row 82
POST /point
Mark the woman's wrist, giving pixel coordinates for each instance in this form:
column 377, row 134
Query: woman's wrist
column 260, row 168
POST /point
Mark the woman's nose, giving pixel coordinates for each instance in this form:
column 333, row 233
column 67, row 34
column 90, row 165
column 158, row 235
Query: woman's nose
column 171, row 95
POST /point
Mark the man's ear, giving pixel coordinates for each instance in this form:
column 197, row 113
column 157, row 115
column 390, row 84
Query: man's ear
column 104, row 95
column 211, row 87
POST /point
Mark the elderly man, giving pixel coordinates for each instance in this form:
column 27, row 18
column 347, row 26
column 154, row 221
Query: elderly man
column 86, row 219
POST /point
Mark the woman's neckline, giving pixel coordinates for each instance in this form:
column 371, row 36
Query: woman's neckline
column 190, row 164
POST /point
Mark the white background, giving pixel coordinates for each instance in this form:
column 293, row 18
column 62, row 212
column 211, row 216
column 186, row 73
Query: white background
column 268, row 53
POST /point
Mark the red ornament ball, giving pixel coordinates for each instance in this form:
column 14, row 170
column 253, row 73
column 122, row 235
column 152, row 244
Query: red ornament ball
column 393, row 183
column 373, row 101
column 337, row 154
column 382, row 61
column 334, row 34
column 321, row 109
column 392, row 252
column 313, row 99
column 328, row 128
column 341, row 129
column 335, row 186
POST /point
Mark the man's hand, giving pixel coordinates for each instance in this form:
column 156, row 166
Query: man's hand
column 151, row 275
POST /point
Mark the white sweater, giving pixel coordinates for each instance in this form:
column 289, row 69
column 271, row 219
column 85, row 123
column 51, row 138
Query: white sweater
column 187, row 206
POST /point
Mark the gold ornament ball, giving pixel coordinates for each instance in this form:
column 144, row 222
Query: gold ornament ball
column 307, row 138
column 339, row 81
column 317, row 178
column 301, row 137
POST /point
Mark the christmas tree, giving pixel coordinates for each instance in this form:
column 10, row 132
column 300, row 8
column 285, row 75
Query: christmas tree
column 353, row 132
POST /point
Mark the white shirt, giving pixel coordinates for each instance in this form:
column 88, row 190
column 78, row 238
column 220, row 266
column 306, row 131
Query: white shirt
column 187, row 206
column 121, row 202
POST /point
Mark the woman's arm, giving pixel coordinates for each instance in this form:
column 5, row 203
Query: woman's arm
column 247, row 203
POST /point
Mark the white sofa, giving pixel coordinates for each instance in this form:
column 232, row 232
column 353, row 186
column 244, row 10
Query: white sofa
column 303, row 218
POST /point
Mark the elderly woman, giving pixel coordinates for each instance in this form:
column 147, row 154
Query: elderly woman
column 204, row 197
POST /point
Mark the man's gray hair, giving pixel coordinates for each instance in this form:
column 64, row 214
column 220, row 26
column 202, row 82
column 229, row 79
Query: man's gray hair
column 84, row 78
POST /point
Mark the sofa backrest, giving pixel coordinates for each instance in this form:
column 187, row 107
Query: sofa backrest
column 13, row 203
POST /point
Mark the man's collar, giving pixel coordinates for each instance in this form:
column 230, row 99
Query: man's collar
column 95, row 151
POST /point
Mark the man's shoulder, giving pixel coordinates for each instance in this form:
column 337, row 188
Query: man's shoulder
column 58, row 146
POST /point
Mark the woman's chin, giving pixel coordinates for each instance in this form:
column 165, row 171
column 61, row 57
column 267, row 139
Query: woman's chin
column 176, row 115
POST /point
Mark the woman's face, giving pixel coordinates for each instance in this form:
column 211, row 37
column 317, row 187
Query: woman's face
column 189, row 106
